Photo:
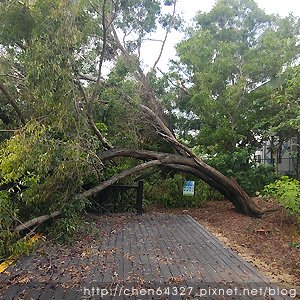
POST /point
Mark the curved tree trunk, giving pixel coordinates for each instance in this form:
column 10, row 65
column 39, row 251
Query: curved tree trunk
column 230, row 189
column 238, row 198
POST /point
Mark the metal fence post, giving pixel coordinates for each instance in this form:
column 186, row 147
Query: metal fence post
column 139, row 198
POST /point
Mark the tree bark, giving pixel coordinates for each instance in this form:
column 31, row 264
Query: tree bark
column 119, row 176
column 37, row 221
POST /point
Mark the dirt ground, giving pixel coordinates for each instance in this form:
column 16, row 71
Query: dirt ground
column 268, row 243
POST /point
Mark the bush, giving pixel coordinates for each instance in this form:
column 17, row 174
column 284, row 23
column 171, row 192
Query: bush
column 168, row 193
column 239, row 165
column 255, row 179
column 287, row 191
column 41, row 173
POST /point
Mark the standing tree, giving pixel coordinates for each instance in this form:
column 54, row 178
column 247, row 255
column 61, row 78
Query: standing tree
column 281, row 115
column 228, row 54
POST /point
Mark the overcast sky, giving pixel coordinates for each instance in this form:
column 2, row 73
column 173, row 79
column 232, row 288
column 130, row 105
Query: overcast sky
column 281, row 7
column 189, row 9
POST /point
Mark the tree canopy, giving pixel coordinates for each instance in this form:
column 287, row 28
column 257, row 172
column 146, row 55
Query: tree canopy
column 228, row 58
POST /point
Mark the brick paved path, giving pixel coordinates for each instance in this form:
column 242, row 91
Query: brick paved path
column 172, row 254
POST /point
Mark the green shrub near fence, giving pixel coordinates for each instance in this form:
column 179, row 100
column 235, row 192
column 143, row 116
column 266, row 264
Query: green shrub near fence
column 287, row 192
column 168, row 193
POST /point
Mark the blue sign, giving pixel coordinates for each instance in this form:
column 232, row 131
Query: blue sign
column 189, row 188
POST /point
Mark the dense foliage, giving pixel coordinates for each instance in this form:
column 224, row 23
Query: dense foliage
column 55, row 114
column 72, row 84
column 168, row 193
column 236, row 70
column 287, row 192
column 240, row 165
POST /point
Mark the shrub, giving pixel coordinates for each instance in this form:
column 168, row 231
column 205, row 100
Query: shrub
column 168, row 193
column 251, row 177
column 41, row 173
column 287, row 191
column 255, row 179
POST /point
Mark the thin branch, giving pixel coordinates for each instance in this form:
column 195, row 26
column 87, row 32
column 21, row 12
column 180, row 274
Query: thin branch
column 153, row 40
column 37, row 221
column 90, row 100
column 11, row 76
column 32, row 231
column 184, row 89
column 12, row 102
column 104, row 41
column 142, row 78
column 166, row 36
column 125, row 35
column 22, row 46
column 87, row 77
column 106, row 145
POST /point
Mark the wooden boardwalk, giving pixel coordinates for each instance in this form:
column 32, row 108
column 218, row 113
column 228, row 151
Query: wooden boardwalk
column 164, row 256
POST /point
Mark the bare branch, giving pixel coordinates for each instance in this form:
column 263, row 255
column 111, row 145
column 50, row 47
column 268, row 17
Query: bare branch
column 153, row 40
column 37, row 221
column 104, row 41
column 166, row 36
column 87, row 77
column 181, row 87
column 143, row 79
column 91, row 122
column 90, row 100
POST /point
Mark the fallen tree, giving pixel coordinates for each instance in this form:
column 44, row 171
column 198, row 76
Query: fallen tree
column 66, row 105
column 230, row 189
column 185, row 160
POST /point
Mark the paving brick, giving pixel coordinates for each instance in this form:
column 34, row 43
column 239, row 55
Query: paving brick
column 153, row 250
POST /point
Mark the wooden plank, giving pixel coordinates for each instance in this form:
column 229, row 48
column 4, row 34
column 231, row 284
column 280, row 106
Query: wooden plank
column 241, row 275
column 205, row 254
column 154, row 250
column 234, row 263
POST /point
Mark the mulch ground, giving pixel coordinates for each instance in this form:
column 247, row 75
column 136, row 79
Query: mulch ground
column 268, row 243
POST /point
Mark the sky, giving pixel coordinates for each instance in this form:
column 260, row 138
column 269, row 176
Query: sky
column 281, row 7
column 189, row 8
